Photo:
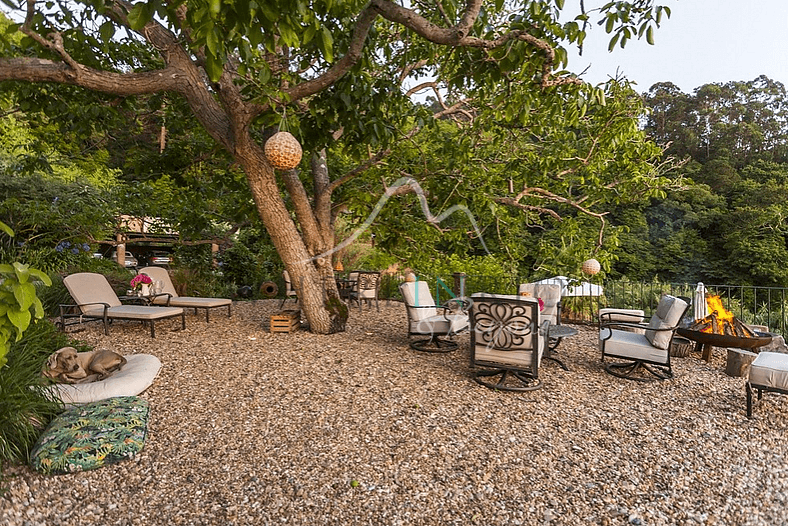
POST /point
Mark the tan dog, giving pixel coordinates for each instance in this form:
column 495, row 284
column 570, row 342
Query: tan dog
column 68, row 365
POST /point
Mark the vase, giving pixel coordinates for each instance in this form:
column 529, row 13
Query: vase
column 145, row 290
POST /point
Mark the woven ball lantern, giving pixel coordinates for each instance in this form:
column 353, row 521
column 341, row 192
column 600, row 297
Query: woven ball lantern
column 591, row 267
column 283, row 151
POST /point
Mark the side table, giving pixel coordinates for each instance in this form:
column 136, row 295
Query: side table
column 556, row 334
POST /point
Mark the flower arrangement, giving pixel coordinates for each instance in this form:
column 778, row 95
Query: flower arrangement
column 139, row 280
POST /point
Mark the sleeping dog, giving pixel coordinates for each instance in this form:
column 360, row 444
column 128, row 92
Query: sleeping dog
column 69, row 366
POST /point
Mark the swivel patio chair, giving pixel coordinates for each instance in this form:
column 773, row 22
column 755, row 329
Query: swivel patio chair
column 366, row 288
column 95, row 300
column 425, row 318
column 647, row 351
column 508, row 339
column 168, row 296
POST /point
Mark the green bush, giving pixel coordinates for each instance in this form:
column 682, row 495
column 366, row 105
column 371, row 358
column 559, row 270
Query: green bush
column 25, row 406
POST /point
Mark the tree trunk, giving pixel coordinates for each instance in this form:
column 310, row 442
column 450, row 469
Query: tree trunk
column 311, row 278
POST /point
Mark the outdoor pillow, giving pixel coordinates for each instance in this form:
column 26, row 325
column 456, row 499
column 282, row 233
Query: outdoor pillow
column 667, row 315
column 93, row 435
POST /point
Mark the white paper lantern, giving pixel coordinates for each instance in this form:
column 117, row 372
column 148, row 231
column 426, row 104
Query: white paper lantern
column 283, row 151
column 591, row 267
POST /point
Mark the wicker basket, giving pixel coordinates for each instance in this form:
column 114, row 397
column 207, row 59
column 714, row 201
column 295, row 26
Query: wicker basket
column 283, row 151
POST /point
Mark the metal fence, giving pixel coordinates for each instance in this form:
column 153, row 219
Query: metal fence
column 767, row 306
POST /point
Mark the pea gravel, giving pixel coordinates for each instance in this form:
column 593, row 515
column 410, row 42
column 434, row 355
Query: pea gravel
column 249, row 427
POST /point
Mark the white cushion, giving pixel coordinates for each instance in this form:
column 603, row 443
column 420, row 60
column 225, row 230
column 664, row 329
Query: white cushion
column 193, row 302
column 623, row 315
column 417, row 294
column 439, row 324
column 133, row 378
column 136, row 312
column 668, row 314
column 550, row 294
column 770, row 369
column 632, row 345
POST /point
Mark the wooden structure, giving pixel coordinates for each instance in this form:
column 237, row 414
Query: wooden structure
column 286, row 321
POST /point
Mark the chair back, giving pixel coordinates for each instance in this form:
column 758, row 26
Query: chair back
column 418, row 300
column 91, row 288
column 505, row 333
column 159, row 275
column 551, row 296
column 367, row 284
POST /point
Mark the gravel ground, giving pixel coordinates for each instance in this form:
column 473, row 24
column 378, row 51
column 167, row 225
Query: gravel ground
column 249, row 427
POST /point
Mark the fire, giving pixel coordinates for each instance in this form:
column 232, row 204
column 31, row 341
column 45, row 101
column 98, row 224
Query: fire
column 715, row 306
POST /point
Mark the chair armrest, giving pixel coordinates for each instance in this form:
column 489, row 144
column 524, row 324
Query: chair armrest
column 457, row 306
column 169, row 297
column 621, row 313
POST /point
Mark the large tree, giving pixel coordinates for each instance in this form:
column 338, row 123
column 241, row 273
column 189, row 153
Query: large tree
column 245, row 68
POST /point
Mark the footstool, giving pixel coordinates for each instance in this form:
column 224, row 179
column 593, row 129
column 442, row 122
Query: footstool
column 768, row 372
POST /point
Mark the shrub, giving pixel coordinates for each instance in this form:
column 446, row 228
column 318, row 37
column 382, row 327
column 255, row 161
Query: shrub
column 25, row 406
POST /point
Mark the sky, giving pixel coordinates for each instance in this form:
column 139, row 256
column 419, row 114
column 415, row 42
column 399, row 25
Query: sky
column 703, row 41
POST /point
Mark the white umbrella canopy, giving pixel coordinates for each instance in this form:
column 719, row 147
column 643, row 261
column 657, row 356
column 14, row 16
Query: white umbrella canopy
column 699, row 302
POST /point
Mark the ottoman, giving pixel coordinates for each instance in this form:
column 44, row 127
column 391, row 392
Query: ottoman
column 768, row 372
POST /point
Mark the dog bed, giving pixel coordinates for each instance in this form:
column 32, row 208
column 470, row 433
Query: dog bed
column 133, row 378
column 92, row 435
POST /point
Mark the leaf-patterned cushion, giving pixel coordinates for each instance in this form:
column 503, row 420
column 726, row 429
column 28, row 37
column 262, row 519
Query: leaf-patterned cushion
column 93, row 435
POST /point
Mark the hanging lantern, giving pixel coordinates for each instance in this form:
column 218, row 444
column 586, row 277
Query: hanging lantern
column 283, row 151
column 591, row 267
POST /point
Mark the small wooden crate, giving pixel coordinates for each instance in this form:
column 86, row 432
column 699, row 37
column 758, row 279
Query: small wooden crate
column 286, row 321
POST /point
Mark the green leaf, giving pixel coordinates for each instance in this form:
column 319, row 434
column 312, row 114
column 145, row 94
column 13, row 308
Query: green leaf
column 328, row 44
column 7, row 229
column 107, row 31
column 20, row 319
column 139, row 16
column 650, row 35
column 213, row 67
column 613, row 42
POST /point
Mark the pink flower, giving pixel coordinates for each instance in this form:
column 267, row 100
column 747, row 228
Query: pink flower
column 139, row 280
column 541, row 304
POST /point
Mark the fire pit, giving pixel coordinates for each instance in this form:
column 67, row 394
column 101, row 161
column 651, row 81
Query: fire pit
column 721, row 329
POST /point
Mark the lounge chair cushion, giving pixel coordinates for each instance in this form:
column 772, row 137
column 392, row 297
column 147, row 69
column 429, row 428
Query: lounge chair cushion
column 92, row 435
column 625, row 344
column 135, row 312
column 134, row 377
column 193, row 302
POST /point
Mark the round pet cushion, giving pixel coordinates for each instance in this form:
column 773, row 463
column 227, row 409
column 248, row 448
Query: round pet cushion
column 92, row 435
column 133, row 378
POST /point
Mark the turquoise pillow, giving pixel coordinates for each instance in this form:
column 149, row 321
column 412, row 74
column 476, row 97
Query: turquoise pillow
column 92, row 435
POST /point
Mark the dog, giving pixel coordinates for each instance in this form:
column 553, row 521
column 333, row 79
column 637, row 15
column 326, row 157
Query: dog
column 69, row 366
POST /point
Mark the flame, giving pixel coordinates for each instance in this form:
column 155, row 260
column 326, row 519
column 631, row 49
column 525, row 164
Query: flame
column 715, row 306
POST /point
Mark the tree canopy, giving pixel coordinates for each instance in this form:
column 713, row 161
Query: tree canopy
column 332, row 72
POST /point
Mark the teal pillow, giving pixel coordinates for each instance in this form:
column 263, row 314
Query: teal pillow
column 92, row 435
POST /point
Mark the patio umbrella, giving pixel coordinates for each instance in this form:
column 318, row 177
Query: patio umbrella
column 699, row 302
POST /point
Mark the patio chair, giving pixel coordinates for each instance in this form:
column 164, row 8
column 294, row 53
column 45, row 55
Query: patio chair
column 366, row 288
column 550, row 294
column 508, row 339
column 168, row 296
column 425, row 318
column 649, row 350
column 289, row 290
column 95, row 300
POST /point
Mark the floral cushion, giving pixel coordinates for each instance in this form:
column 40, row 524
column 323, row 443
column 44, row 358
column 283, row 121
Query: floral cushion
column 93, row 435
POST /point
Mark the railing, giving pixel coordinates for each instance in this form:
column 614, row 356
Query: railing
column 767, row 306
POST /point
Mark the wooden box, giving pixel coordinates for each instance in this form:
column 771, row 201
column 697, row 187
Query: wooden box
column 286, row 321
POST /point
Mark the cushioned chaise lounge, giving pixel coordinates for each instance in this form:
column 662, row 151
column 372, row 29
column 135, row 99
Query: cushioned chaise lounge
column 168, row 297
column 95, row 300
